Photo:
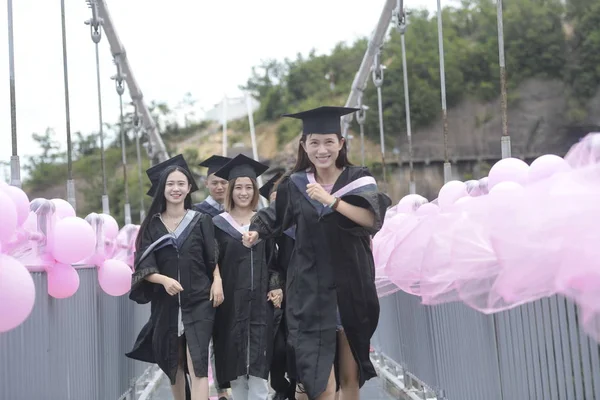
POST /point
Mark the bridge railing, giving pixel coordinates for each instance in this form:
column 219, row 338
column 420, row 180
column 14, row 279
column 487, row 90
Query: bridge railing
column 452, row 352
column 72, row 349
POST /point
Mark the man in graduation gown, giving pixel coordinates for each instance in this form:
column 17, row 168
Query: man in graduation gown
column 284, row 389
column 213, row 205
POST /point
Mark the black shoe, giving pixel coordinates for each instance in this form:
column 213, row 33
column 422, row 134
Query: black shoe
column 280, row 396
column 223, row 398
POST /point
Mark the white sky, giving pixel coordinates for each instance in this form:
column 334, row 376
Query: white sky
column 205, row 47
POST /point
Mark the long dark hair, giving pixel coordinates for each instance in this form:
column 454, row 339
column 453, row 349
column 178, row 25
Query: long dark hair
column 159, row 203
column 303, row 162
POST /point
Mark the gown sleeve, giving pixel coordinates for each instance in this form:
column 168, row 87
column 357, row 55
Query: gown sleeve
column 142, row 290
column 374, row 201
column 211, row 249
column 270, row 222
column 275, row 270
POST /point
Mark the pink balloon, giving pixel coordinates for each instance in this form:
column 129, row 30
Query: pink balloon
column 63, row 281
column 74, row 240
column 473, row 187
column 545, row 166
column 410, row 203
column 20, row 200
column 17, row 293
column 114, row 277
column 428, row 209
column 63, row 208
column 508, row 169
column 463, row 201
column 8, row 217
column 451, row 192
column 111, row 228
column 483, row 186
column 505, row 187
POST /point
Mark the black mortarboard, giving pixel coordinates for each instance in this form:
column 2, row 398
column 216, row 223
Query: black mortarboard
column 322, row 120
column 214, row 163
column 267, row 188
column 241, row 167
column 155, row 171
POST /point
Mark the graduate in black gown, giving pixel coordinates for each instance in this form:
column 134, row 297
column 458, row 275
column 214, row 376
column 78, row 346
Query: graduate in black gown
column 213, row 206
column 175, row 270
column 284, row 389
column 332, row 309
column 243, row 333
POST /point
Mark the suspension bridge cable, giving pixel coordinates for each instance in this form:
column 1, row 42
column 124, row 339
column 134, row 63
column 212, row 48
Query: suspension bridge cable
column 400, row 18
column 15, row 167
column 96, row 33
column 361, row 116
column 225, row 101
column 378, row 82
column 136, row 132
column 447, row 164
column 505, row 140
column 70, row 182
column 119, row 83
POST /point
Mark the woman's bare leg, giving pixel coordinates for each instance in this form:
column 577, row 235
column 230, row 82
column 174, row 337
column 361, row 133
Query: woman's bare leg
column 300, row 395
column 178, row 388
column 329, row 393
column 199, row 387
column 349, row 389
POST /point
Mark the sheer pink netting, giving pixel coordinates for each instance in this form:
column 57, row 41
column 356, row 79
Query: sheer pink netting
column 500, row 250
column 385, row 240
column 406, row 252
column 586, row 152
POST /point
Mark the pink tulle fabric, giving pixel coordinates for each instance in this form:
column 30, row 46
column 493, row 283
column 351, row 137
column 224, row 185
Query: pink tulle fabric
column 586, row 152
column 500, row 250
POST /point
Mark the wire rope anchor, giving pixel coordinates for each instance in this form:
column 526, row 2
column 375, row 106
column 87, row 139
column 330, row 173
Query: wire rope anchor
column 361, row 117
column 377, row 70
column 95, row 22
column 399, row 17
column 119, row 77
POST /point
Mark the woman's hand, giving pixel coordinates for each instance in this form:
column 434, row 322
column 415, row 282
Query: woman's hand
column 216, row 292
column 316, row 192
column 249, row 239
column 171, row 285
column 276, row 297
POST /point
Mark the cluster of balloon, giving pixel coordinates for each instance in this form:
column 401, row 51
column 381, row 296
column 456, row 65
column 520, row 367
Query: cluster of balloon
column 506, row 178
column 45, row 235
column 114, row 273
column 17, row 289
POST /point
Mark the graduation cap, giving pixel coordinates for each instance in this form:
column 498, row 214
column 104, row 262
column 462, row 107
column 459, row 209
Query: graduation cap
column 241, row 167
column 155, row 171
column 322, row 120
column 267, row 188
column 213, row 163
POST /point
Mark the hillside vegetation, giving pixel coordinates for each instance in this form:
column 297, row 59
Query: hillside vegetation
column 544, row 40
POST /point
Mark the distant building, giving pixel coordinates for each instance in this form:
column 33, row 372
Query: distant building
column 236, row 109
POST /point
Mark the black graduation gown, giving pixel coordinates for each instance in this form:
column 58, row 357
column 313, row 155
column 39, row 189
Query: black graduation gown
column 279, row 367
column 331, row 265
column 195, row 261
column 245, row 318
column 205, row 207
column 285, row 247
